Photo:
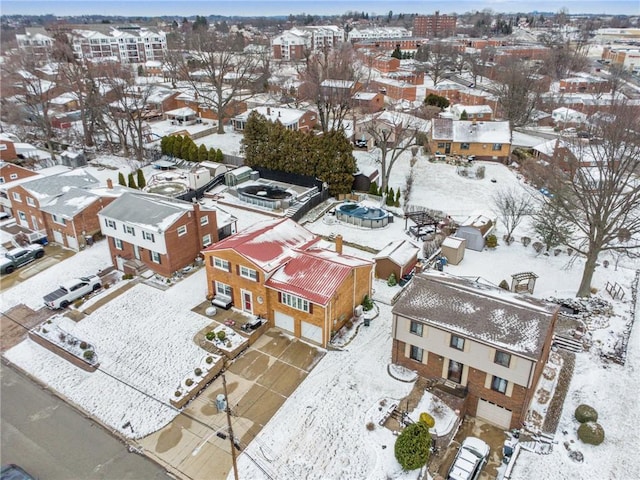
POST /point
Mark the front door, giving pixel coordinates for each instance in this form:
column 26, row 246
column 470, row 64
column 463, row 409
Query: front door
column 447, row 148
column 34, row 222
column 247, row 301
column 136, row 252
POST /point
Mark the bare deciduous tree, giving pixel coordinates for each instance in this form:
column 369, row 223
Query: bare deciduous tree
column 518, row 93
column 511, row 207
column 598, row 192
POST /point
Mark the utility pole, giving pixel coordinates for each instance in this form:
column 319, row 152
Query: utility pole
column 233, row 444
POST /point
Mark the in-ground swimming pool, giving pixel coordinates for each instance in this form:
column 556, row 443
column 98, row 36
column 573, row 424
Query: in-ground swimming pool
column 168, row 189
column 356, row 214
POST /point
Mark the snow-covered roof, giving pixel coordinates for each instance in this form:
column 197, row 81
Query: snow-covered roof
column 268, row 244
column 148, row 211
column 70, row 203
column 400, row 252
column 181, row 112
column 453, row 242
column 481, row 132
column 478, row 311
column 365, row 96
column 286, row 116
column 55, row 185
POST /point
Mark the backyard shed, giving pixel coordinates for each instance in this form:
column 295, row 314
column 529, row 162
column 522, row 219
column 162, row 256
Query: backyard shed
column 475, row 229
column 453, row 249
column 398, row 257
column 237, row 176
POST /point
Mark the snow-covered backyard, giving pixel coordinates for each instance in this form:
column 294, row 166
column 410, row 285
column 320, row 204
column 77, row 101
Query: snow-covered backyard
column 144, row 338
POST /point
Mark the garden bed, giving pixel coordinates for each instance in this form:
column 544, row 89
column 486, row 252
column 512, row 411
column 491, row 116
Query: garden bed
column 203, row 374
column 227, row 341
column 80, row 353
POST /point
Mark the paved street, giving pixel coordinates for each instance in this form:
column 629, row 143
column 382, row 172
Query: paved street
column 53, row 441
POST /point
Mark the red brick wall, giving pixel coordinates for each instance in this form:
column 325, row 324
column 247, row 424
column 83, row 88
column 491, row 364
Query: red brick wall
column 10, row 169
column 8, row 152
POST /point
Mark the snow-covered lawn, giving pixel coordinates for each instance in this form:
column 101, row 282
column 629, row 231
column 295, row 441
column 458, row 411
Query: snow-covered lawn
column 144, row 342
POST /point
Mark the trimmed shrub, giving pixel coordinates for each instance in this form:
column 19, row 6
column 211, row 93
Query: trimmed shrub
column 391, row 281
column 427, row 419
column 88, row 355
column 83, row 345
column 209, row 360
column 537, row 246
column 210, row 336
column 221, row 335
column 412, row 446
column 178, row 393
column 591, row 433
column 198, row 371
column 188, row 382
column 367, row 303
column 525, row 241
column 127, row 276
column 371, row 426
column 586, row 413
column 504, row 285
column 492, row 241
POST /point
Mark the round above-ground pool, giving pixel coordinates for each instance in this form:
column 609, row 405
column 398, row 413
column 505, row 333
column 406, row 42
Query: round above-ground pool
column 168, row 189
column 268, row 196
column 356, row 214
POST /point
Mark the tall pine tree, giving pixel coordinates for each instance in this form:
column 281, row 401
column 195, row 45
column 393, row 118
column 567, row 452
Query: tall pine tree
column 141, row 180
column 132, row 182
column 121, row 180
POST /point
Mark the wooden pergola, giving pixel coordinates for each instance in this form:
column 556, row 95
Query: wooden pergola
column 523, row 282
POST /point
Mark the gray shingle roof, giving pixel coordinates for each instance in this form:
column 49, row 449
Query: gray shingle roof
column 54, row 185
column 477, row 311
column 70, row 203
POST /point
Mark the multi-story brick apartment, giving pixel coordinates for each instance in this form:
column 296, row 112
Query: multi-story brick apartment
column 160, row 233
column 378, row 33
column 485, row 343
column 275, row 269
column 433, row 26
column 293, row 44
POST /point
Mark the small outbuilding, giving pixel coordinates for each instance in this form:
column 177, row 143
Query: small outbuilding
column 452, row 249
column 475, row 229
column 398, row 257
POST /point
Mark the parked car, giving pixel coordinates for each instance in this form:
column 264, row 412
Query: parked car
column 20, row 256
column 14, row 472
column 470, row 459
column 361, row 143
column 72, row 290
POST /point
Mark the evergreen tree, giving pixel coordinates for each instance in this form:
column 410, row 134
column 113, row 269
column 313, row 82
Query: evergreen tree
column 464, row 115
column 121, row 180
column 202, row 153
column 193, row 152
column 219, row 156
column 163, row 144
column 391, row 198
column 169, row 145
column 177, row 146
column 397, row 53
column 211, row 156
column 373, row 188
column 397, row 201
column 132, row 182
column 141, row 181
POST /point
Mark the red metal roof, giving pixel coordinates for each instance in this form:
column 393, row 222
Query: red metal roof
column 268, row 244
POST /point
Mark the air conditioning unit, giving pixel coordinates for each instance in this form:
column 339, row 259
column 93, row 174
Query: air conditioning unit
column 359, row 311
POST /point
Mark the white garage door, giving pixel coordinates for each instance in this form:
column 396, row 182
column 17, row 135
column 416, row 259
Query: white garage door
column 285, row 322
column 58, row 237
column 493, row 413
column 311, row 332
column 72, row 242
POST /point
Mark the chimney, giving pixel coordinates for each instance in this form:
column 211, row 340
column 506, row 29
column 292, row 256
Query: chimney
column 268, row 111
column 109, row 184
column 339, row 244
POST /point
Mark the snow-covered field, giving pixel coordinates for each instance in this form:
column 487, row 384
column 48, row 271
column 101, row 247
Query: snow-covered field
column 144, row 338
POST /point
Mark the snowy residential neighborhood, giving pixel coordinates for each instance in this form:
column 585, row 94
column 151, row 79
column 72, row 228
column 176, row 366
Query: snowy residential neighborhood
column 305, row 251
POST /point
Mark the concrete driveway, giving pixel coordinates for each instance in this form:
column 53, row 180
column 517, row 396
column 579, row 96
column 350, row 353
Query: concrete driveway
column 53, row 254
column 258, row 383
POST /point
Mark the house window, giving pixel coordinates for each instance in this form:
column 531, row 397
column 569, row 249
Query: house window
column 497, row 147
column 221, row 264
column 249, row 273
column 182, row 230
column 155, row 257
column 206, row 240
column 204, row 220
column 499, row 384
column 16, row 196
column 110, row 223
column 129, row 230
column 454, row 373
column 58, row 220
column 416, row 353
column 464, row 146
column 148, row 236
column 1, row 179
column 13, row 176
column 223, row 289
column 118, row 243
column 457, row 342
column 294, row 301
column 416, row 328
column 502, row 358
column 441, row 145
column 22, row 216
column 31, row 202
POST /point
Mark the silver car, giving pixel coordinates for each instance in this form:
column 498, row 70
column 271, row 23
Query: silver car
column 470, row 460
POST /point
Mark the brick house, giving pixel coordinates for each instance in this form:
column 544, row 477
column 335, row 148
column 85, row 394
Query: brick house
column 276, row 270
column 290, row 118
column 11, row 175
column 160, row 233
column 368, row 102
column 484, row 140
column 203, row 109
column 62, row 206
column 492, row 352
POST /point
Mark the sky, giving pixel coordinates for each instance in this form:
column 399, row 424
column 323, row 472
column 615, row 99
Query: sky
column 286, row 7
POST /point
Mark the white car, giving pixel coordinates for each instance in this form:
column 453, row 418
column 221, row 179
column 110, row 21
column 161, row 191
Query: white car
column 469, row 460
